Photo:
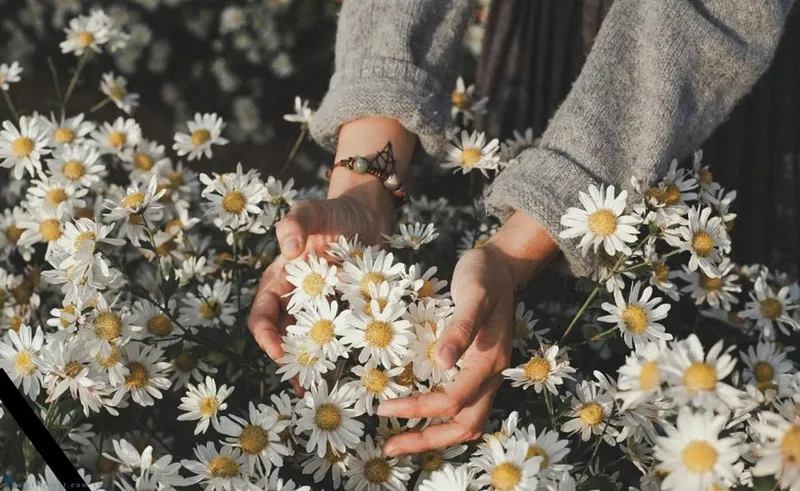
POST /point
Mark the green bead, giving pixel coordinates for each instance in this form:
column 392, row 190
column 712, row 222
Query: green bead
column 361, row 165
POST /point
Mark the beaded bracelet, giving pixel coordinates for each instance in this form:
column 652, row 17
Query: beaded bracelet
column 381, row 166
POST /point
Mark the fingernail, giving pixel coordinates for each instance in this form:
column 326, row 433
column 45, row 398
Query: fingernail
column 448, row 356
column 291, row 245
column 382, row 411
column 388, row 450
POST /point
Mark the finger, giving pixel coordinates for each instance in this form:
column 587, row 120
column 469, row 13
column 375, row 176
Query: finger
column 293, row 230
column 467, row 425
column 471, row 311
column 267, row 308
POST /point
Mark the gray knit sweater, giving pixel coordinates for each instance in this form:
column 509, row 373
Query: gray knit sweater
column 662, row 75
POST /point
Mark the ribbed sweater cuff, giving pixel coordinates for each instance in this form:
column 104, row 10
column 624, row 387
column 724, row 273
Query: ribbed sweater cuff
column 543, row 184
column 389, row 88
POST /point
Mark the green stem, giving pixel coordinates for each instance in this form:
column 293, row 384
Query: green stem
column 11, row 107
column 580, row 312
column 54, row 74
column 549, row 404
column 293, row 151
column 156, row 258
column 648, row 263
column 100, row 105
column 594, row 452
column 75, row 76
column 237, row 274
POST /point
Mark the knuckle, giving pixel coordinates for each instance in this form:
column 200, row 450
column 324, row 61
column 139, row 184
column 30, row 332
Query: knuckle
column 462, row 331
column 472, row 433
column 452, row 408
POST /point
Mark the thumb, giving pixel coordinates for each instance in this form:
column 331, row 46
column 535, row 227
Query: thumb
column 293, row 230
column 469, row 315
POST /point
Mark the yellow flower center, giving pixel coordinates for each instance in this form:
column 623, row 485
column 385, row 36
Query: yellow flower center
column 660, row 272
column 116, row 93
column 209, row 310
column 73, row 170
column 72, row 369
column 23, row 363
column 426, row 290
column 406, row 378
column 200, row 136
column 375, row 380
column 470, row 156
column 591, row 414
column 635, row 319
column 133, row 200
column 137, row 375
column 208, row 406
column 305, row 358
column 108, row 326
column 431, row 461
column 368, row 279
column 379, row 334
column 699, row 456
column 64, row 135
column 672, row 194
column 142, row 161
column 702, row 243
column 253, row 440
column 382, row 302
column 710, row 284
column 537, row 369
column 537, row 451
column 112, row 359
column 377, row 470
column 22, row 147
column 700, row 376
column 84, row 39
column 69, row 310
column 13, row 233
column 15, row 323
column 790, row 445
column 771, row 308
column 185, row 361
column 223, row 466
column 55, row 196
column 313, row 284
column 50, row 229
column 706, row 177
column 117, row 139
column 328, row 417
column 234, row 202
column 83, row 237
column 321, row 332
column 506, row 476
column 763, row 372
column 460, row 100
column 649, row 377
column 159, row 325
column 175, row 179
column 603, row 222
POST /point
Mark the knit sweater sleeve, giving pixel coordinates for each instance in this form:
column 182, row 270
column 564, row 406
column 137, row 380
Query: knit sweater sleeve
column 662, row 75
column 395, row 58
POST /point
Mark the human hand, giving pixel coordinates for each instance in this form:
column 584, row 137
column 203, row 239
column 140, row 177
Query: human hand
column 480, row 335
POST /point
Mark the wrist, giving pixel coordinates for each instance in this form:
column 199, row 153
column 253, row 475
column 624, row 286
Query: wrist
column 524, row 245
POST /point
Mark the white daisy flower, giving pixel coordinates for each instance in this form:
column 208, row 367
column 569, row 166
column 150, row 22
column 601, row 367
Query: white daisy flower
column 324, row 325
column 333, row 463
column 187, row 365
column 464, row 102
column 235, row 198
column 512, row 147
column 273, row 482
column 117, row 138
column 329, row 418
column 22, row 149
column 591, row 413
column 450, row 478
column 210, row 306
column 85, row 33
column 19, row 358
column 41, row 224
column 68, row 131
column 637, row 318
column 302, row 114
column 9, row 74
column 384, row 336
column 371, row 470
column 766, row 364
column 116, row 89
column 543, row 370
column 76, row 163
column 525, row 328
column 770, row 310
column 674, row 190
column 779, row 451
column 705, row 238
column 693, row 455
column 375, row 383
column 471, row 151
column 223, row 470
column 696, row 378
column 506, row 466
column 717, row 292
column 203, row 403
column 549, row 447
column 313, row 281
column 424, row 286
column 349, row 250
column 372, row 268
column 640, row 378
column 704, row 177
column 146, row 378
column 279, row 193
column 303, row 359
column 146, row 158
column 412, row 237
column 423, row 355
column 66, row 367
column 54, row 193
column 156, row 326
column 258, row 437
column 138, row 200
column 601, row 221
column 204, row 131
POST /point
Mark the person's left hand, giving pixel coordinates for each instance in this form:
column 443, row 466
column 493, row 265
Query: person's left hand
column 480, row 335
